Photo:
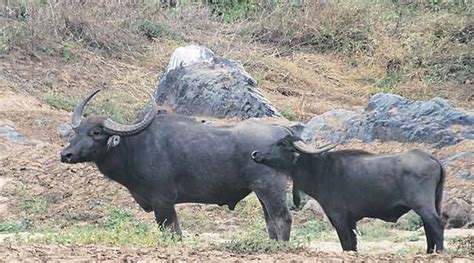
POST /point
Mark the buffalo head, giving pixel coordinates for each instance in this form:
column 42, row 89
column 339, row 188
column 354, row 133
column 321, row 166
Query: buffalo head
column 285, row 152
column 95, row 135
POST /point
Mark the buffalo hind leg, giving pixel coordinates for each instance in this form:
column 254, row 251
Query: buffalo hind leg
column 296, row 195
column 167, row 219
column 434, row 229
column 430, row 242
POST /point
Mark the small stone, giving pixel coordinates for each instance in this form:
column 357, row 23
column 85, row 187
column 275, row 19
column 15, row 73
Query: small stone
column 314, row 207
column 41, row 122
column 7, row 128
column 466, row 175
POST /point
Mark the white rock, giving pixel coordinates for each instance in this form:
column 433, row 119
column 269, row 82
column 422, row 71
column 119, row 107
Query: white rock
column 189, row 55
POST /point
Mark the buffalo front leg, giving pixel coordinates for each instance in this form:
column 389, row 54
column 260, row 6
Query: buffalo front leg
column 353, row 229
column 273, row 198
column 167, row 219
column 279, row 218
column 270, row 225
column 344, row 231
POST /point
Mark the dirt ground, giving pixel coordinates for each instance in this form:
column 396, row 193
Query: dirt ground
column 77, row 195
column 107, row 253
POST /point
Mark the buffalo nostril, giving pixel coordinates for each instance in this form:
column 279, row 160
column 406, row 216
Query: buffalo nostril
column 66, row 156
column 254, row 154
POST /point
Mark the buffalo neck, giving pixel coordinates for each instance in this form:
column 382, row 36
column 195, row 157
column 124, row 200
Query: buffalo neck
column 311, row 174
column 116, row 162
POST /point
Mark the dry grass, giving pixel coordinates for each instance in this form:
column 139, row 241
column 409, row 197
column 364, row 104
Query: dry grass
column 428, row 45
column 307, row 59
column 106, row 27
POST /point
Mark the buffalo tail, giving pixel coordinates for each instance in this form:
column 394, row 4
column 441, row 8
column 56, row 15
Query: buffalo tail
column 439, row 187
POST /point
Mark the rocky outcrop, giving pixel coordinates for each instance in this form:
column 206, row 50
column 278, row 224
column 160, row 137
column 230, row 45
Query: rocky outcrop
column 390, row 117
column 198, row 82
column 458, row 208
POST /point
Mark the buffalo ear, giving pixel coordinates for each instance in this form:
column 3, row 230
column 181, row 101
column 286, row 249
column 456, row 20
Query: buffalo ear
column 297, row 128
column 113, row 141
column 287, row 140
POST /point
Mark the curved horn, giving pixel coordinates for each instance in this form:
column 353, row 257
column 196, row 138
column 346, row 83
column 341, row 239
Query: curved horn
column 304, row 148
column 115, row 128
column 323, row 146
column 77, row 114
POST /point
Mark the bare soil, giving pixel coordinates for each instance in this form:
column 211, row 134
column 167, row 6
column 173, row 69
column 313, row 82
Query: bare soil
column 107, row 253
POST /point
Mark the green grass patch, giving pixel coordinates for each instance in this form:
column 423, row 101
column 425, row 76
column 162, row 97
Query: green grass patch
column 121, row 227
column 34, row 206
column 390, row 80
column 13, row 226
column 47, row 82
column 111, row 108
column 66, row 53
column 312, row 230
column 375, row 230
column 288, row 113
column 61, row 103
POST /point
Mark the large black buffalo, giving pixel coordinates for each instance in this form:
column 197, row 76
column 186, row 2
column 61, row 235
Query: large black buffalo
column 165, row 159
column 353, row 184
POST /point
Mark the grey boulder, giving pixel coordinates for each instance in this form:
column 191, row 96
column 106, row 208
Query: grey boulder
column 390, row 117
column 198, row 82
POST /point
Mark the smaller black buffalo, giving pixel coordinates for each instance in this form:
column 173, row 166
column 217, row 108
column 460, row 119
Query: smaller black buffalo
column 353, row 184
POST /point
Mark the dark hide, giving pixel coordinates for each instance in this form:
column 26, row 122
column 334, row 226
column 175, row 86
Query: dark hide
column 353, row 184
column 179, row 160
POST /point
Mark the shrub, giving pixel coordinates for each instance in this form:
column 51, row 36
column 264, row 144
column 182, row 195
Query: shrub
column 154, row 30
column 233, row 10
column 410, row 222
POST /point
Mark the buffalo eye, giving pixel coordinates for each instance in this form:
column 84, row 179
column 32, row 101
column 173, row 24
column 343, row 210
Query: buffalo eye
column 96, row 132
column 286, row 141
